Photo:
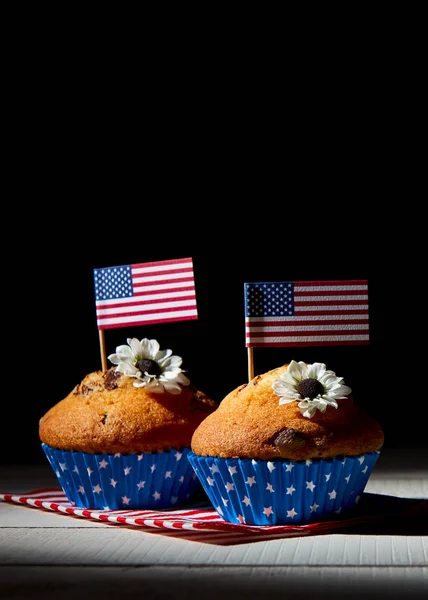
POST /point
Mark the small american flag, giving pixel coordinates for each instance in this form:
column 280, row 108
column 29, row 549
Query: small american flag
column 145, row 293
column 306, row 313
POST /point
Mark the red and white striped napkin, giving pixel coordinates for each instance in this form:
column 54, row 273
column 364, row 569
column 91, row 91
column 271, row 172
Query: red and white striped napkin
column 198, row 522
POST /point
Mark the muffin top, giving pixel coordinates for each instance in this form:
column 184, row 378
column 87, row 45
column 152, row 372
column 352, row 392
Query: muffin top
column 144, row 404
column 296, row 412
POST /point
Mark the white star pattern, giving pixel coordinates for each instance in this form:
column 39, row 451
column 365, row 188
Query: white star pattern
column 156, row 495
column 178, row 455
column 140, row 456
column 290, row 490
column 314, row 507
column 254, row 462
column 267, row 510
column 214, row 469
column 90, row 471
column 63, row 466
column 365, row 469
column 220, row 512
column 229, row 486
column 332, row 494
column 81, row 490
column 270, row 488
column 232, row 470
column 153, row 468
column 57, row 473
column 140, row 484
column 97, row 489
column 261, row 299
column 289, row 467
column 361, row 459
column 210, row 481
column 103, row 463
column 168, row 474
column 127, row 470
column 310, row 485
column 126, row 500
column 181, row 479
column 291, row 513
column 271, row 466
column 308, row 463
column 117, row 455
column 113, row 482
column 246, row 501
column 327, row 477
column 225, row 501
column 241, row 519
column 75, row 470
column 348, row 478
column 251, row 481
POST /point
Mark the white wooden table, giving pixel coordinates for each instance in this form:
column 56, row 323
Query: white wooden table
column 47, row 555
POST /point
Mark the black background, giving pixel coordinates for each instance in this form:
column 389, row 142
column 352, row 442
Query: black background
column 51, row 350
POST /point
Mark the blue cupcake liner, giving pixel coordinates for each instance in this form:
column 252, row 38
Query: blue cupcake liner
column 124, row 481
column 283, row 492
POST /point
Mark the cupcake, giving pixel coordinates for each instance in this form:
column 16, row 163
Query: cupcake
column 289, row 447
column 121, row 438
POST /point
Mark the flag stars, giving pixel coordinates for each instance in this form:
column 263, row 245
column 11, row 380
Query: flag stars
column 270, row 488
column 210, row 481
column 229, row 486
column 310, row 485
column 267, row 510
column 289, row 467
column 178, row 455
column 291, row 513
column 250, row 481
column 332, row 494
column 97, row 489
column 156, row 495
column 127, row 470
column 225, row 501
column 348, row 478
column 232, row 470
column 365, row 469
column 113, row 483
column 220, row 512
column 140, row 484
column 153, row 468
column 103, row 463
column 126, row 500
column 90, row 471
column 81, row 490
column 314, row 507
column 361, row 459
column 246, row 501
column 63, row 466
column 75, row 470
column 327, row 477
column 214, row 469
column 271, row 466
column 290, row 490
column 241, row 519
column 140, row 457
column 168, row 474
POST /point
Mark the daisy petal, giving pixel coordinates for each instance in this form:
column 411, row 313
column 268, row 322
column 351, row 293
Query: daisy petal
column 154, row 348
column 135, row 346
column 316, row 370
column 294, row 371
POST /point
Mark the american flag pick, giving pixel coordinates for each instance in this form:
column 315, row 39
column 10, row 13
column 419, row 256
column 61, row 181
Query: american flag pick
column 145, row 293
column 306, row 313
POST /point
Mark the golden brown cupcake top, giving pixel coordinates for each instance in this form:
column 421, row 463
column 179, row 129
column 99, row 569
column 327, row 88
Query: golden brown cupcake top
column 107, row 413
column 252, row 423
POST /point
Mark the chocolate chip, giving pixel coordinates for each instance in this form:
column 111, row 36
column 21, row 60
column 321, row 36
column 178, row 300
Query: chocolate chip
column 110, row 379
column 103, row 420
column 289, row 439
column 256, row 380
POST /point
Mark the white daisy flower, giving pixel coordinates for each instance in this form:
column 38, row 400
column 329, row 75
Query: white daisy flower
column 156, row 370
column 313, row 385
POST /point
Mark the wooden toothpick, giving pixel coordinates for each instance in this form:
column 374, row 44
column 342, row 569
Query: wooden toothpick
column 250, row 364
column 103, row 350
